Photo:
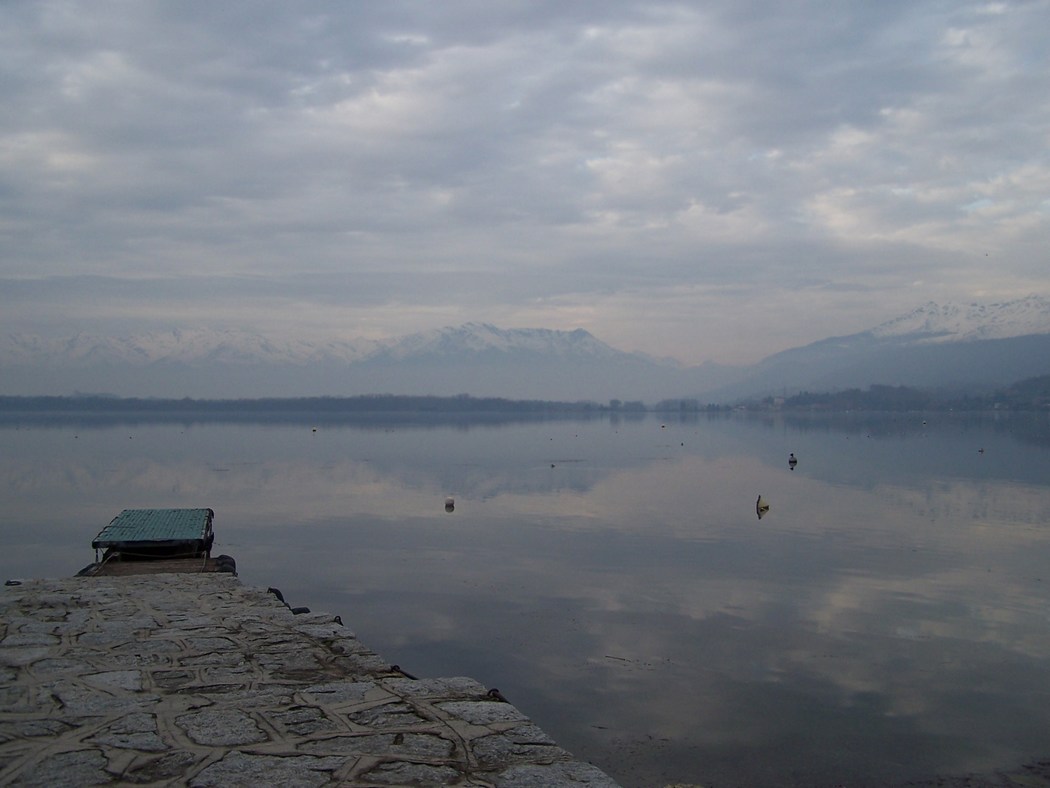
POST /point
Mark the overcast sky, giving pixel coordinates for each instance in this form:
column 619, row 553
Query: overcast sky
column 711, row 180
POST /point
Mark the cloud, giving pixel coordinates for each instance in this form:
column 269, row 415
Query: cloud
column 532, row 161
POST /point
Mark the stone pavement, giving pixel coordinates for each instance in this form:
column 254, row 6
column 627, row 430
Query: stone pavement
column 196, row 679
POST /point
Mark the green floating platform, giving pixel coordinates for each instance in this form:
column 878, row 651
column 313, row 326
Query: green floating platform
column 154, row 531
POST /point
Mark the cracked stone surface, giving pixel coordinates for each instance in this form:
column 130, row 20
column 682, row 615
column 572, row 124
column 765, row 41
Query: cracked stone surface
column 196, row 679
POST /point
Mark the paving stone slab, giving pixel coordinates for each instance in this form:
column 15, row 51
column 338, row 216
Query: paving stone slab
column 200, row 680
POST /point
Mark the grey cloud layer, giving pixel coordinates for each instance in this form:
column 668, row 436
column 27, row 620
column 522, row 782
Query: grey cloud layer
column 531, row 163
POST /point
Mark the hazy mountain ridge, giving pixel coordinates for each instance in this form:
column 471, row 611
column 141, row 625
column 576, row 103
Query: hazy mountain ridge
column 236, row 346
column 477, row 338
column 976, row 345
column 179, row 345
column 961, row 323
column 475, row 358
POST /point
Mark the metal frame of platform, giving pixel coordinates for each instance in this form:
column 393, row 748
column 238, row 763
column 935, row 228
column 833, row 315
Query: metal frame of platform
column 158, row 533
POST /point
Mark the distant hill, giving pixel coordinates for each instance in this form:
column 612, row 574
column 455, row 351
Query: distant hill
column 475, row 358
column 934, row 324
column 974, row 347
column 977, row 347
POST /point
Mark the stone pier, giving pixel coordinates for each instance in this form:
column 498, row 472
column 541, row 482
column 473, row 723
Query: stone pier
column 196, row 679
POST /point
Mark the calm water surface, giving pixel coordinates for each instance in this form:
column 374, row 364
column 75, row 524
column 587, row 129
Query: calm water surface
column 888, row 620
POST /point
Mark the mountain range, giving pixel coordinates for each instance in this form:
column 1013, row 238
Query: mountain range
column 968, row 347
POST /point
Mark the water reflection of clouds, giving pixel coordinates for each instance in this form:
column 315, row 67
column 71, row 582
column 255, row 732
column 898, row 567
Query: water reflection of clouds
column 631, row 600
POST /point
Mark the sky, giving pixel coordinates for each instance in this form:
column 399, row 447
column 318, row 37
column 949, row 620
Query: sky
column 702, row 180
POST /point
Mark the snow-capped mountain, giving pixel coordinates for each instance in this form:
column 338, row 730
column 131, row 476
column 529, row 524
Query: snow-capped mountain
column 963, row 323
column 178, row 345
column 974, row 346
column 475, row 358
column 476, row 338
column 241, row 347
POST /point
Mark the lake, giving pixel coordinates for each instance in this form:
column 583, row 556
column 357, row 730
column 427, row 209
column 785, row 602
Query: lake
column 887, row 620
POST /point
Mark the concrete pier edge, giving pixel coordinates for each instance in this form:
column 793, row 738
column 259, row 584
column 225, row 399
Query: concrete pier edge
column 198, row 679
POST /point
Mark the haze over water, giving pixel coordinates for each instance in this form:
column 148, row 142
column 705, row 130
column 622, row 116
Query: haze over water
column 886, row 621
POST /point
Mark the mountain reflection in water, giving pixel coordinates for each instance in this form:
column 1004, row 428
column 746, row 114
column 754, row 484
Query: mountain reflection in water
column 888, row 624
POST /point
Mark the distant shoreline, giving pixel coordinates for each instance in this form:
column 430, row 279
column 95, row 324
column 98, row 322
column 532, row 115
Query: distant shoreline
column 365, row 410
column 367, row 403
column 1030, row 395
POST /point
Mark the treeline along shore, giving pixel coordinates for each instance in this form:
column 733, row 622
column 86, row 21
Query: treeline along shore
column 369, row 409
column 1032, row 394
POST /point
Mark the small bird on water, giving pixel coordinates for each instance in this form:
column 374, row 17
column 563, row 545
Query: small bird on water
column 761, row 507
